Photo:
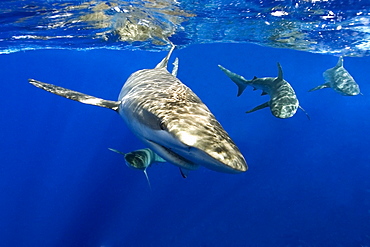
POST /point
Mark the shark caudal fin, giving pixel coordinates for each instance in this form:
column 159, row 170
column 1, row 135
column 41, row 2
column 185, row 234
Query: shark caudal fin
column 239, row 80
column 74, row 95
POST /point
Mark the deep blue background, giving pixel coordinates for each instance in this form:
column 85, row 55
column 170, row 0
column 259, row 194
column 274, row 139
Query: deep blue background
column 307, row 183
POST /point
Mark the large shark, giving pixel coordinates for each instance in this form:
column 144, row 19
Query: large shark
column 141, row 159
column 169, row 118
column 340, row 80
column 283, row 101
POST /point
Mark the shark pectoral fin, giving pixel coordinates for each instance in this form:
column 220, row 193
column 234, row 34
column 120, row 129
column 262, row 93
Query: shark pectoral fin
column 184, row 172
column 147, row 178
column 240, row 81
column 116, row 151
column 264, row 105
column 175, row 67
column 325, row 85
column 158, row 158
column 280, row 72
column 74, row 95
column 308, row 116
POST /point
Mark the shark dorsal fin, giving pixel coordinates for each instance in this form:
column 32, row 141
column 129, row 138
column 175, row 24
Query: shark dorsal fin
column 280, row 72
column 175, row 67
column 340, row 62
column 264, row 105
column 164, row 62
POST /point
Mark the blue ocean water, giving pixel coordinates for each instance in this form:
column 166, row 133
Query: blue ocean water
column 307, row 184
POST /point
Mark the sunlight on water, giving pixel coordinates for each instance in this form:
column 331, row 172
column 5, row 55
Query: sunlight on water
column 318, row 26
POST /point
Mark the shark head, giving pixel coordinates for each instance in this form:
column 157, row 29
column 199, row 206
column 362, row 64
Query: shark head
column 284, row 107
column 172, row 121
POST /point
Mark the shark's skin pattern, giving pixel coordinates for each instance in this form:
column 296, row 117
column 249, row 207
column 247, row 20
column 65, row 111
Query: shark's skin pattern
column 283, row 101
column 340, row 80
column 169, row 118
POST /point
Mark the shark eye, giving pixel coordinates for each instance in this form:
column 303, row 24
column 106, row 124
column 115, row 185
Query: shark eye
column 162, row 126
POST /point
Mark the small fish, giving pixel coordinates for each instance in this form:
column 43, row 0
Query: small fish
column 141, row 159
column 340, row 80
column 283, row 101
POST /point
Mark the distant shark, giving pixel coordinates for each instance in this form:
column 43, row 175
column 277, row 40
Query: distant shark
column 141, row 159
column 169, row 118
column 283, row 101
column 340, row 80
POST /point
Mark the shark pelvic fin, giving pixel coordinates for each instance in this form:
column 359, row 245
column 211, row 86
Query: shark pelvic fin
column 325, row 85
column 263, row 93
column 74, row 95
column 264, row 105
column 240, row 81
column 184, row 172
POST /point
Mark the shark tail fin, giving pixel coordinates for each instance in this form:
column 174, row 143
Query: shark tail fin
column 325, row 85
column 240, row 81
column 164, row 62
column 264, row 105
column 74, row 95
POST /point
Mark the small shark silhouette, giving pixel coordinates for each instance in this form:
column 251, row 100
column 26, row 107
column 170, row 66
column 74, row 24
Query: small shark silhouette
column 340, row 80
column 141, row 159
column 283, row 101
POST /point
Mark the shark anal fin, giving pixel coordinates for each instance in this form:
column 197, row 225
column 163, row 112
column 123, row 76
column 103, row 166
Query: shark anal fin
column 325, row 85
column 74, row 95
column 264, row 105
column 239, row 80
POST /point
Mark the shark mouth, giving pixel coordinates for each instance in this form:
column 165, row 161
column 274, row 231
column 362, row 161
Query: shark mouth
column 169, row 155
